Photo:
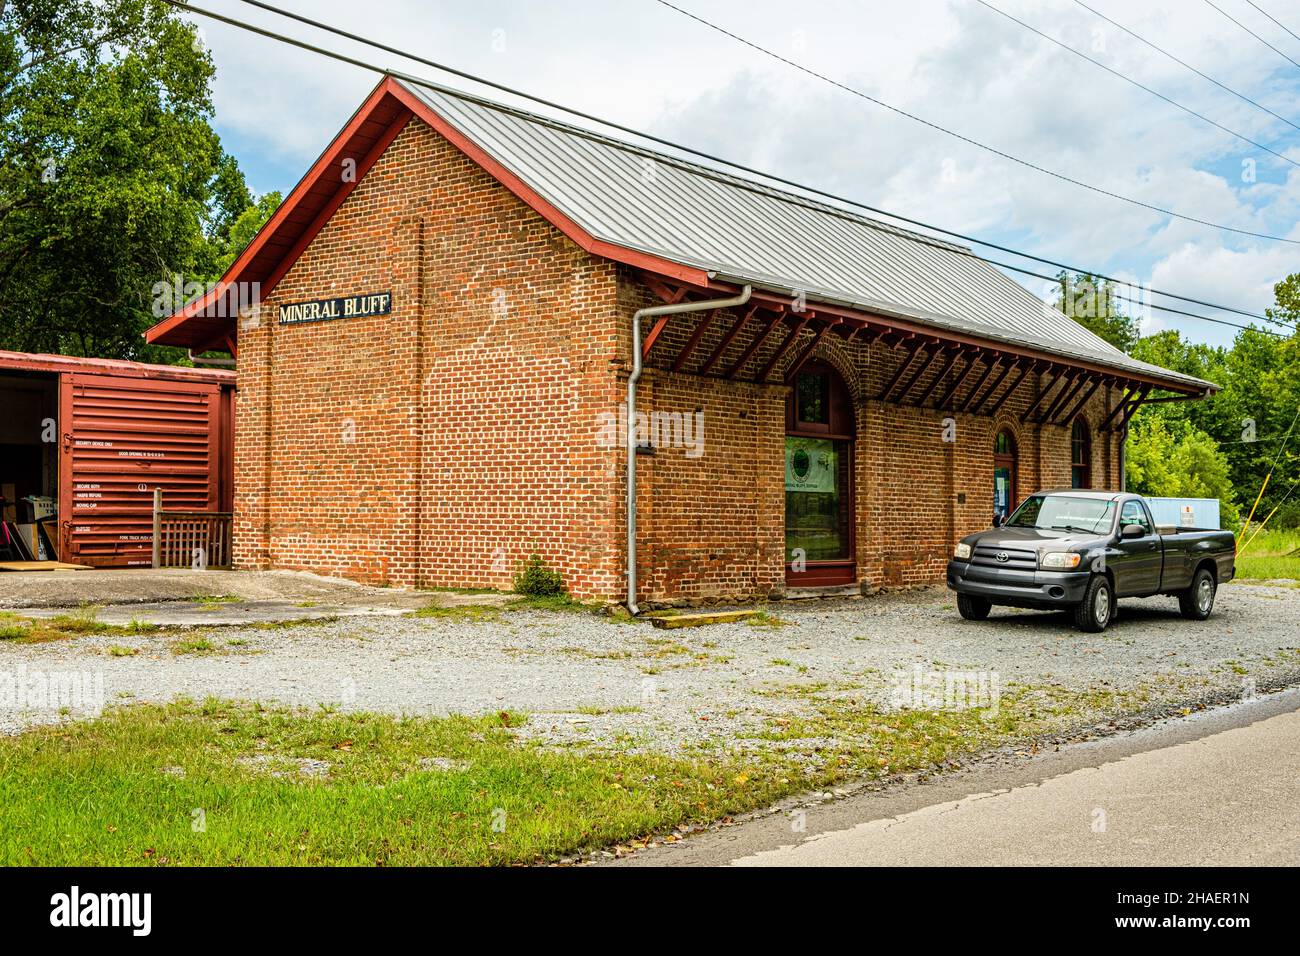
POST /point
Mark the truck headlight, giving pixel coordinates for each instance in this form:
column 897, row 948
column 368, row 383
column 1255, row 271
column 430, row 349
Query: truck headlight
column 1060, row 559
column 962, row 552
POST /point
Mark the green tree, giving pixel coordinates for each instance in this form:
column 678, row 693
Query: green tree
column 1248, row 420
column 1179, row 462
column 111, row 178
column 241, row 232
column 1091, row 301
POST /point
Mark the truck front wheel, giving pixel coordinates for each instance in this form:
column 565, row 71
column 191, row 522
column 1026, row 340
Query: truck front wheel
column 1098, row 606
column 973, row 608
column 1197, row 601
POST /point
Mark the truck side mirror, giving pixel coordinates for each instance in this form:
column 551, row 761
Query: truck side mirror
column 1133, row 531
column 998, row 519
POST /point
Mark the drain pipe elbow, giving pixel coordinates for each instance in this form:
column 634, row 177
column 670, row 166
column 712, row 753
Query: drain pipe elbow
column 631, row 437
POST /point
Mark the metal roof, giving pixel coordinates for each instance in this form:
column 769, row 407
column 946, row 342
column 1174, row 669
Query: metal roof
column 743, row 230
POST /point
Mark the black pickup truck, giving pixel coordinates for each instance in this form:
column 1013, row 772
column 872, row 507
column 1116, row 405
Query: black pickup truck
column 1081, row 550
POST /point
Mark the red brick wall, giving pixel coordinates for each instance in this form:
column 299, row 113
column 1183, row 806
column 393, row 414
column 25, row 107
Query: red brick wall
column 713, row 526
column 443, row 443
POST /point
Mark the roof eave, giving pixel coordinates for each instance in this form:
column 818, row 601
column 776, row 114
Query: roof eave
column 945, row 326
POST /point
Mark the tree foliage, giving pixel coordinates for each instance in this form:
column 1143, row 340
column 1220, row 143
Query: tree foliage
column 1092, row 302
column 111, row 177
column 1245, row 425
column 1222, row 447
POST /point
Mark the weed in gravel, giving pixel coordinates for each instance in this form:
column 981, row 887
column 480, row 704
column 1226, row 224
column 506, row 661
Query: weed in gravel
column 117, row 650
column 764, row 619
column 472, row 613
column 81, row 623
column 194, row 645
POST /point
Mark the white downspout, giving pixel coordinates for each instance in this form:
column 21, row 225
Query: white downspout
column 652, row 312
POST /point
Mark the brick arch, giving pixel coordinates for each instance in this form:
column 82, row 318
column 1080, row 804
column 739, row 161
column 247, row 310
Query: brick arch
column 835, row 352
column 1006, row 422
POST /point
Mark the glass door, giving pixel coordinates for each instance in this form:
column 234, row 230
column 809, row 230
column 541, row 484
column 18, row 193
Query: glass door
column 1004, row 475
column 819, row 527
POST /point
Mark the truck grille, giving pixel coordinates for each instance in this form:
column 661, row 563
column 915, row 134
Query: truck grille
column 1018, row 559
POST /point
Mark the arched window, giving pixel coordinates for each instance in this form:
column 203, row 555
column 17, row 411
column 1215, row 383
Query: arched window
column 1080, row 455
column 1004, row 474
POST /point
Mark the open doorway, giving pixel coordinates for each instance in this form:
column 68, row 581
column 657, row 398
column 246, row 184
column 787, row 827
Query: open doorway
column 29, row 463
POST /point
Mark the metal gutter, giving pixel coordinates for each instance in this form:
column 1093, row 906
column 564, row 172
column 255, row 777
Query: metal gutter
column 632, row 379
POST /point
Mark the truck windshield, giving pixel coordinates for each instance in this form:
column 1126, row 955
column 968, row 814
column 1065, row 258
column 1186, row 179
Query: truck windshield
column 1064, row 513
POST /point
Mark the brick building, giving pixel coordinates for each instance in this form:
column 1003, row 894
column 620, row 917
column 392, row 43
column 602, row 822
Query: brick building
column 433, row 383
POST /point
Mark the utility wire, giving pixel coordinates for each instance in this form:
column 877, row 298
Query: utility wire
column 1273, row 18
column 1253, row 33
column 966, row 139
column 337, row 31
column 1141, row 86
column 301, row 44
column 1184, row 63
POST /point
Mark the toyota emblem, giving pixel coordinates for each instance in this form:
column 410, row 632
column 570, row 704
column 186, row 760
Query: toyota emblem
column 1002, row 557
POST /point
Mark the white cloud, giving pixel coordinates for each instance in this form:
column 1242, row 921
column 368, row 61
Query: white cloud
column 955, row 63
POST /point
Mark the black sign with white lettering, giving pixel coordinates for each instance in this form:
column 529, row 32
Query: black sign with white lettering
column 345, row 307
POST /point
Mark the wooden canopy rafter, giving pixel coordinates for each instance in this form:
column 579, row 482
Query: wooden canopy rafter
column 775, row 337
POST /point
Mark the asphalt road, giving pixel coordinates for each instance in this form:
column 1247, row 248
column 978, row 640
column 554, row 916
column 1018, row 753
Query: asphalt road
column 1220, row 788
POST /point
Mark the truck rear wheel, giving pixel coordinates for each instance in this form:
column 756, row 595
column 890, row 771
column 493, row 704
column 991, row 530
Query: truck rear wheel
column 1197, row 601
column 1098, row 606
column 973, row 608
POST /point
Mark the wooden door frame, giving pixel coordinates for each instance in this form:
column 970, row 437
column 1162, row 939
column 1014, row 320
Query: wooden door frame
column 1011, row 462
column 838, row 571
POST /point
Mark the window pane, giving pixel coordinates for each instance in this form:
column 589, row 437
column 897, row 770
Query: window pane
column 1133, row 514
column 816, row 498
column 812, row 398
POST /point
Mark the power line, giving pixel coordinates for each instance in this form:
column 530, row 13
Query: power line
column 1253, row 33
column 1273, row 18
column 338, row 31
column 1142, row 86
column 302, row 44
column 1184, row 63
column 966, row 139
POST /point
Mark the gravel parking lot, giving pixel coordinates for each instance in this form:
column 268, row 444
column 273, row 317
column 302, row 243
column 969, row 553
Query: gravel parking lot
column 586, row 677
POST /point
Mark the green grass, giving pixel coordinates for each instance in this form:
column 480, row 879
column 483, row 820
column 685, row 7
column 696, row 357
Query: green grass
column 124, row 790
column 194, row 645
column 215, row 598
column 275, row 786
column 29, row 630
column 474, row 613
column 552, row 602
column 1272, row 554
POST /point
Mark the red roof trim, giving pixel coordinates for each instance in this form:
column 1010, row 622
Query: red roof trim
column 271, row 243
column 268, row 235
column 39, row 362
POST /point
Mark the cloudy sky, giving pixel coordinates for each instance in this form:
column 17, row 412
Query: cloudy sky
column 957, row 63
